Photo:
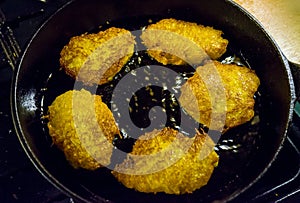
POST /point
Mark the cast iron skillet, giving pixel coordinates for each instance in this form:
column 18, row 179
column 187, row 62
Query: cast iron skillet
column 37, row 81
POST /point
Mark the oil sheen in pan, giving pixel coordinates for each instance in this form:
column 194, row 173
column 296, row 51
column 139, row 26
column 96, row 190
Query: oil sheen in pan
column 156, row 100
column 153, row 101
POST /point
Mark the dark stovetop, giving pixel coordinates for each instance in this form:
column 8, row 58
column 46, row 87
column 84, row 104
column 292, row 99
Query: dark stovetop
column 21, row 182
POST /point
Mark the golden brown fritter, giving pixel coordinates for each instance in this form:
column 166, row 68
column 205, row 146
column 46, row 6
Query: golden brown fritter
column 167, row 161
column 178, row 42
column 239, row 86
column 96, row 58
column 83, row 127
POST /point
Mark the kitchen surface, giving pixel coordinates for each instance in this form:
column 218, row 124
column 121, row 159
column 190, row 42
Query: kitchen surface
column 281, row 18
column 21, row 182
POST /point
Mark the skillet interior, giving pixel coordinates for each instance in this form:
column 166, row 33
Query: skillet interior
column 235, row 172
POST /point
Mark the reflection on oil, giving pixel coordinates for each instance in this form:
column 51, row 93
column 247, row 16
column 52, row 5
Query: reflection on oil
column 28, row 101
